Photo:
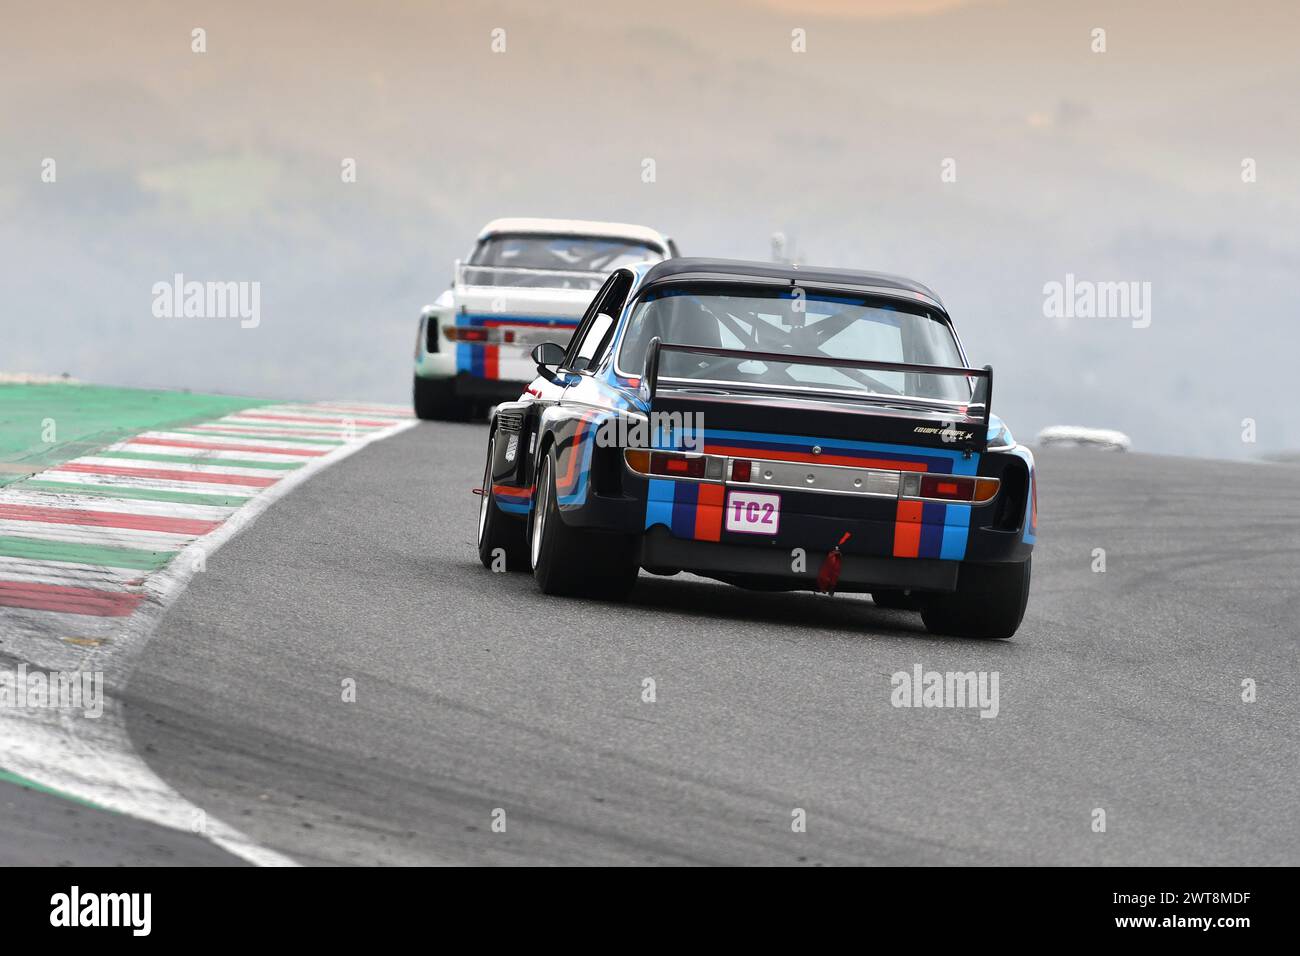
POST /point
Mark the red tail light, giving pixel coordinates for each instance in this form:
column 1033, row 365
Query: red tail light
column 947, row 487
column 464, row 334
column 740, row 470
column 676, row 466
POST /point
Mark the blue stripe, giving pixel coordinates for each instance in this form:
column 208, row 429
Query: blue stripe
column 512, row 507
column 686, row 496
column 956, row 530
column 931, row 530
column 659, row 502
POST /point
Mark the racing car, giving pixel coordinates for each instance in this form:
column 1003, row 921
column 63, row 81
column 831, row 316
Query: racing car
column 771, row 427
column 526, row 281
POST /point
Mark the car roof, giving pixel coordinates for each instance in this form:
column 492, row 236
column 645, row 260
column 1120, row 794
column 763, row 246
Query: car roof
column 574, row 227
column 697, row 267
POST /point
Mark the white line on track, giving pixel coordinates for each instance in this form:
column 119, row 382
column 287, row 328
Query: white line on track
column 39, row 531
column 15, row 495
column 215, row 468
column 65, row 573
column 258, row 442
column 320, row 425
column 74, row 478
column 207, row 454
column 235, row 430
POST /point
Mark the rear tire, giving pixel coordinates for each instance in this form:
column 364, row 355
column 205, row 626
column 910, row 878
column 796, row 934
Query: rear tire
column 571, row 561
column 435, row 399
column 496, row 529
column 989, row 602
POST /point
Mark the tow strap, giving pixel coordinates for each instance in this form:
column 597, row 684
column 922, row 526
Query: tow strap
column 829, row 575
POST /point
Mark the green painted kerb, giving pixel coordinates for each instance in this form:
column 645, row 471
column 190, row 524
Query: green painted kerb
column 8, row 777
column 83, row 418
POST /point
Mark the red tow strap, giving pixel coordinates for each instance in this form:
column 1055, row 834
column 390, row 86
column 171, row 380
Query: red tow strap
column 829, row 575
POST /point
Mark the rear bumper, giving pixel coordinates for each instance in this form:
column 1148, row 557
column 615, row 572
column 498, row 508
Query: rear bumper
column 772, row 567
column 489, row 389
column 501, row 390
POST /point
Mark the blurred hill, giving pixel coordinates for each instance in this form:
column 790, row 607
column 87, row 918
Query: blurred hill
column 226, row 165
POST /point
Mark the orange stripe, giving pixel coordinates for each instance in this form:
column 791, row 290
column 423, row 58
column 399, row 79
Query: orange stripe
column 814, row 459
column 514, row 491
column 708, row 513
column 907, row 530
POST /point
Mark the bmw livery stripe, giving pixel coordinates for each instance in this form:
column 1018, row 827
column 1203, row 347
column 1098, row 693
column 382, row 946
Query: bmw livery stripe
column 513, row 499
column 481, row 361
column 575, row 464
column 921, row 529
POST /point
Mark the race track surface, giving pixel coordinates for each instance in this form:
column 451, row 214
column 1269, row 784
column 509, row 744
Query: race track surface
column 42, row 829
column 1122, row 691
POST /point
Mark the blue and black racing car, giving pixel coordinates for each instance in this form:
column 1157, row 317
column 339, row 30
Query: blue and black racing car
column 771, row 427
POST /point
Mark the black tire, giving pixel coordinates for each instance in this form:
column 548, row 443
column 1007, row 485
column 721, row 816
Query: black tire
column 572, row 561
column 435, row 399
column 896, row 600
column 989, row 602
column 496, row 529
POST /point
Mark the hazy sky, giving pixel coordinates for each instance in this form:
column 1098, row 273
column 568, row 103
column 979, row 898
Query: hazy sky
column 1123, row 165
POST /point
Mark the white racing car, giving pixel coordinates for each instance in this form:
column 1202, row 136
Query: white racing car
column 527, row 281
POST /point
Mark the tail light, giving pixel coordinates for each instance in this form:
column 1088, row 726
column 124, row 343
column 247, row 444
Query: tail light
column 952, row 488
column 741, row 470
column 673, row 464
column 464, row 334
column 676, row 466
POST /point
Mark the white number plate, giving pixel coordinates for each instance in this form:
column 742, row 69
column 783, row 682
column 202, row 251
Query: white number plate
column 752, row 513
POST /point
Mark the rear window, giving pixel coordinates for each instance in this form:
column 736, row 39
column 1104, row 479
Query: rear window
column 577, row 262
column 780, row 321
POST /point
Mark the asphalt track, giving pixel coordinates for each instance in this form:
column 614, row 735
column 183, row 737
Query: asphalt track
column 38, row 829
column 1122, row 690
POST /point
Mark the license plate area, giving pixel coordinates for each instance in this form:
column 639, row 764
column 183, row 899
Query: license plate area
column 752, row 512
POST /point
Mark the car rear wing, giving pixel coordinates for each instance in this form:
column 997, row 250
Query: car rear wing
column 978, row 409
column 524, row 275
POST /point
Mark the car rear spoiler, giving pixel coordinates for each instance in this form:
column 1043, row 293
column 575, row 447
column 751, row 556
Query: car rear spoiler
column 982, row 399
column 459, row 270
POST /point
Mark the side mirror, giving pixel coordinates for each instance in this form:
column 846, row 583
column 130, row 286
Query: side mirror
column 548, row 356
